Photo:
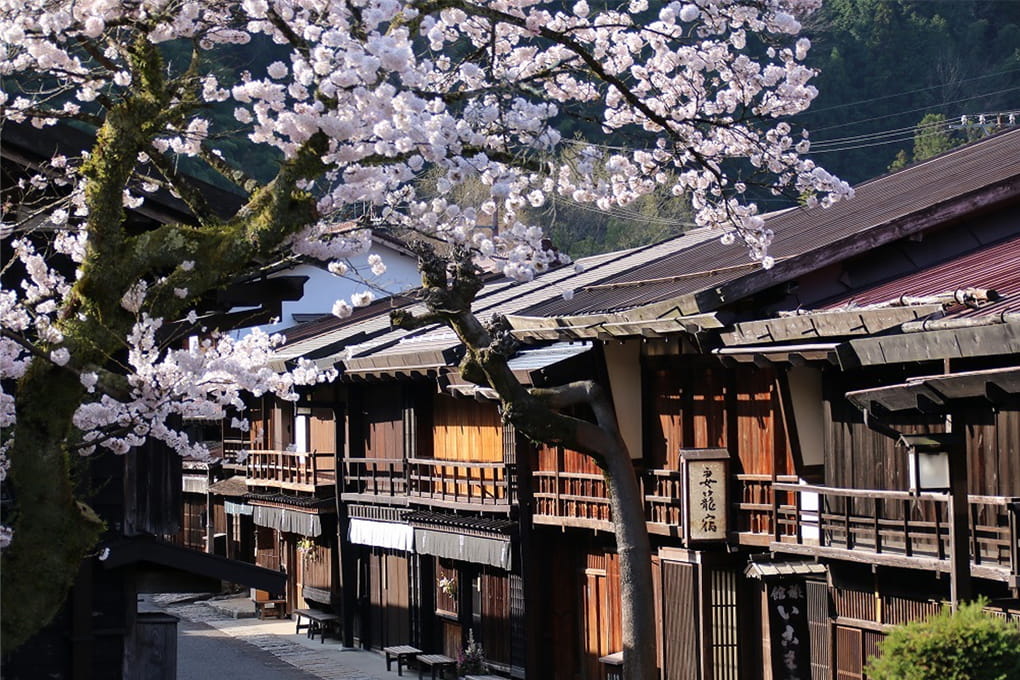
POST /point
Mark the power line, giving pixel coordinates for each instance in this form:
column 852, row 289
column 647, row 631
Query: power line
column 922, row 108
column 908, row 92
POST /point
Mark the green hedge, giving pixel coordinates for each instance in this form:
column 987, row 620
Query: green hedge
column 969, row 644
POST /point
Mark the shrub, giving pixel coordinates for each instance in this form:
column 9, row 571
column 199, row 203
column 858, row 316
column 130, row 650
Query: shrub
column 969, row 644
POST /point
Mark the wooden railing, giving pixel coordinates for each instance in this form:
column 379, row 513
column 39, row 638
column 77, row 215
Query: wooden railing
column 375, row 477
column 897, row 528
column 756, row 504
column 580, row 499
column 290, row 470
column 663, row 494
column 571, row 499
column 457, row 482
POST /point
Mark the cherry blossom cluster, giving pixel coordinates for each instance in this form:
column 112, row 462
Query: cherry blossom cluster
column 203, row 382
column 688, row 94
column 695, row 85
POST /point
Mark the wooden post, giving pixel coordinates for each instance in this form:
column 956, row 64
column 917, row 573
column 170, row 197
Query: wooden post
column 959, row 539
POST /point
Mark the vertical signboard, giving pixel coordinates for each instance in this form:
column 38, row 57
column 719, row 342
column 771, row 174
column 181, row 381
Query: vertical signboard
column 706, row 494
column 788, row 629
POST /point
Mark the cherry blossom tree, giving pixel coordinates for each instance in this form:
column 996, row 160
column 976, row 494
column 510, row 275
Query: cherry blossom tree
column 360, row 100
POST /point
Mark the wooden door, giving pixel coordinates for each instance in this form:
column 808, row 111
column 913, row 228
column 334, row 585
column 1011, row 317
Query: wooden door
column 849, row 654
column 600, row 613
column 389, row 599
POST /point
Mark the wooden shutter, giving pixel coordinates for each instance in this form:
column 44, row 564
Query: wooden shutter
column 819, row 628
column 723, row 613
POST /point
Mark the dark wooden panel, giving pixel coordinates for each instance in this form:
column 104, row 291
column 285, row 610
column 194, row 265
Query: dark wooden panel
column 681, row 656
column 849, row 661
column 496, row 630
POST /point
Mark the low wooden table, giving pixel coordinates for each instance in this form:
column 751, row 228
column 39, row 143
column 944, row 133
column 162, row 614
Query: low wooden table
column 402, row 653
column 277, row 608
column 436, row 662
column 318, row 622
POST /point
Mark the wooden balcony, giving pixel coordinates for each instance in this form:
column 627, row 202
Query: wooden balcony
column 375, row 480
column 755, row 506
column 580, row 499
column 426, row 481
column 575, row 499
column 290, row 470
column 571, row 499
column 461, row 484
column 896, row 528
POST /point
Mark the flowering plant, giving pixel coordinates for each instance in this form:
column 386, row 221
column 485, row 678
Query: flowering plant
column 306, row 548
column 471, row 659
column 449, row 586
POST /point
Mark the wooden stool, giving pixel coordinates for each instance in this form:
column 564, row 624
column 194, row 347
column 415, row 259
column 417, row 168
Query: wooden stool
column 437, row 662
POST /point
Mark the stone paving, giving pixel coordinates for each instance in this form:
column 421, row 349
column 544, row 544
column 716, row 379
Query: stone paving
column 328, row 660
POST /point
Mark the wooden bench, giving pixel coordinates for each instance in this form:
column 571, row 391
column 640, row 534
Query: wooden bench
column 402, row 653
column 318, row 622
column 437, row 663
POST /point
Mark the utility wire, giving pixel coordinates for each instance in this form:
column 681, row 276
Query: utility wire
column 908, row 92
column 923, row 108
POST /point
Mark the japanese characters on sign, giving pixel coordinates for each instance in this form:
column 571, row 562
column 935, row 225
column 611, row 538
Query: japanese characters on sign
column 706, row 500
column 789, row 630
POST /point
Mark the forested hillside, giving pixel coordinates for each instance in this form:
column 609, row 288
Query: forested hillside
column 884, row 65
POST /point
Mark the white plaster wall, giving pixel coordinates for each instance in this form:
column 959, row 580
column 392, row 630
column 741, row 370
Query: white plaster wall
column 323, row 288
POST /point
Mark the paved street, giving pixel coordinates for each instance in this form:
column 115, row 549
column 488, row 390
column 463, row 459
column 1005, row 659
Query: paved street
column 203, row 653
column 215, row 646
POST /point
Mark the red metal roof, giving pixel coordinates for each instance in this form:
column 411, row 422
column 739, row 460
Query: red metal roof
column 994, row 267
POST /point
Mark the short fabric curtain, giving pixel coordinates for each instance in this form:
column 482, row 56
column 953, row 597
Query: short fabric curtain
column 381, row 534
column 494, row 552
column 232, row 508
column 282, row 519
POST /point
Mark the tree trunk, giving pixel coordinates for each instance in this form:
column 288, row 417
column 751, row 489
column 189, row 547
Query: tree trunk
column 52, row 531
column 449, row 292
column 634, row 549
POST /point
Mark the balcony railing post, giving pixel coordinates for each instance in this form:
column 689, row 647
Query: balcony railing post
column 776, row 533
column 876, row 525
column 939, row 545
column 908, row 545
column 975, row 551
column 1014, row 540
column 848, row 502
column 798, row 522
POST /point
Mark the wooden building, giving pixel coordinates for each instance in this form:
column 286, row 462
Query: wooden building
column 773, row 456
